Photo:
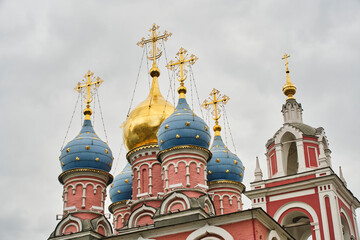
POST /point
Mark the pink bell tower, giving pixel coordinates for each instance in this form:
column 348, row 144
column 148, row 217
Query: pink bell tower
column 302, row 192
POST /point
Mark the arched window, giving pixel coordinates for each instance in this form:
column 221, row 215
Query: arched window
column 345, row 229
column 289, row 153
column 298, row 225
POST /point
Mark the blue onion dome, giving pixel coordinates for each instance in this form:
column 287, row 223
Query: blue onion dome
column 86, row 151
column 183, row 127
column 224, row 165
column 121, row 188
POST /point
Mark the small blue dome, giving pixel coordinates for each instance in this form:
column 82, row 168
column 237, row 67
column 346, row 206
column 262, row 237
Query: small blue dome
column 224, row 165
column 121, row 188
column 183, row 127
column 86, row 150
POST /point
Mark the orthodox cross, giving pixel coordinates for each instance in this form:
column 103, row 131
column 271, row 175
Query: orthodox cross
column 214, row 100
column 182, row 59
column 289, row 89
column 87, row 87
column 286, row 62
column 153, row 38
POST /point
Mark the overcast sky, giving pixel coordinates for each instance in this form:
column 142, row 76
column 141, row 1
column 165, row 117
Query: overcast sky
column 47, row 46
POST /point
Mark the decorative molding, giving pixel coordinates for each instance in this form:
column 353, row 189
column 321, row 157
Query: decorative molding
column 65, row 221
column 63, row 177
column 145, row 147
column 137, row 212
column 169, row 199
column 206, row 153
column 292, row 195
column 207, row 229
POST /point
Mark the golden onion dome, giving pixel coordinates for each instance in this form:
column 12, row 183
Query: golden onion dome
column 142, row 124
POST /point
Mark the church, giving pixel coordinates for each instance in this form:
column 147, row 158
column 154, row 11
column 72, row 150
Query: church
column 182, row 182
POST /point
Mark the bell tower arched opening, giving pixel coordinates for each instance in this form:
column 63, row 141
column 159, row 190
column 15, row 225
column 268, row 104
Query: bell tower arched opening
column 290, row 154
column 298, row 225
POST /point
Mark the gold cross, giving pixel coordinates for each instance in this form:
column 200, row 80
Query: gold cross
column 182, row 59
column 153, row 38
column 286, row 62
column 215, row 99
column 87, row 87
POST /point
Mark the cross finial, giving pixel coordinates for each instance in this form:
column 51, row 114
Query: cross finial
column 182, row 59
column 88, row 86
column 286, row 62
column 214, row 100
column 289, row 89
column 155, row 52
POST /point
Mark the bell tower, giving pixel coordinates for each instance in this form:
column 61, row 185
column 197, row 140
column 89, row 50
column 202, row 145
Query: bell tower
column 302, row 191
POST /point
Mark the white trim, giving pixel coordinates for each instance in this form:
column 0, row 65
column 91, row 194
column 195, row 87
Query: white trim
column 349, row 222
column 66, row 221
column 176, row 185
column 68, row 225
column 202, row 186
column 304, row 206
column 142, row 195
column 176, row 202
column 274, row 234
column 291, row 195
column 138, row 211
column 205, row 230
column 174, row 196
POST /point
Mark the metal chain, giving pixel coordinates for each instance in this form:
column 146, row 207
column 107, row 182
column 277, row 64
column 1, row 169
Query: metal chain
column 225, row 128
column 67, row 131
column 102, row 119
column 94, row 110
column 118, row 158
column 81, row 107
column 147, row 64
column 191, row 93
column 197, row 94
column 172, row 78
column 137, row 78
column 232, row 139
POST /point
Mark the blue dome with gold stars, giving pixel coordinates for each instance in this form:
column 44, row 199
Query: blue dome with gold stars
column 87, row 151
column 183, row 127
column 121, row 188
column 224, row 165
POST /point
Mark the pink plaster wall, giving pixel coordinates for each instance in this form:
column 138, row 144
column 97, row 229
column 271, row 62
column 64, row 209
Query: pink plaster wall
column 91, row 198
column 196, row 176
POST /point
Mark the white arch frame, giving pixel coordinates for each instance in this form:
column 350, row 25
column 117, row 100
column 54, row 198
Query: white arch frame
column 133, row 217
column 348, row 219
column 273, row 234
column 65, row 222
column 172, row 197
column 304, row 206
column 207, row 229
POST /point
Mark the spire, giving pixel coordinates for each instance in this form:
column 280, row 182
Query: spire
column 213, row 101
column 258, row 173
column 289, row 89
column 182, row 60
column 341, row 176
column 89, row 84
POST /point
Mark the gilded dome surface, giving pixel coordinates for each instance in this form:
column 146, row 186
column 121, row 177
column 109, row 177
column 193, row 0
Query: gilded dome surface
column 141, row 126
